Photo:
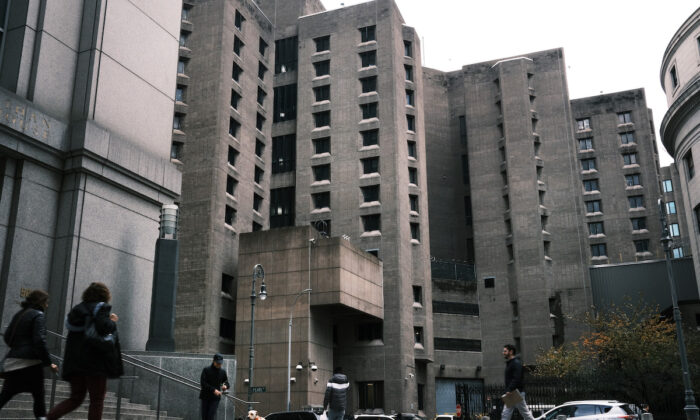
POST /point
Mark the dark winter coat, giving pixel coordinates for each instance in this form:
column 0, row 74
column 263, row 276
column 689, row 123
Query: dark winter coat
column 81, row 359
column 514, row 375
column 212, row 378
column 336, row 392
column 26, row 336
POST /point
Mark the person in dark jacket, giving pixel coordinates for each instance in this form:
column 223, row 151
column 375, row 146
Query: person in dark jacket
column 85, row 366
column 514, row 383
column 336, row 395
column 26, row 336
column 214, row 382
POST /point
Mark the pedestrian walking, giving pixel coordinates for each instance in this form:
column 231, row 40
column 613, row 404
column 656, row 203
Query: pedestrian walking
column 514, row 384
column 335, row 399
column 92, row 352
column 23, row 366
column 214, row 382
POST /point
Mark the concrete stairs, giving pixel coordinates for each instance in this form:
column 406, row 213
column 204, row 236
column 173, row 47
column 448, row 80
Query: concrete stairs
column 20, row 407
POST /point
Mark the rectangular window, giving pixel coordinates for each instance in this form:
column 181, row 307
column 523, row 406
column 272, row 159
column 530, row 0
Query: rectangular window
column 370, row 395
column 370, row 137
column 369, row 84
column 639, row 223
column 370, row 165
column 412, row 149
column 598, row 250
column 674, row 77
column 585, row 144
column 596, row 228
column 593, row 206
column 468, row 210
column 674, row 230
column 259, row 122
column 368, row 59
column 261, row 96
column 177, row 121
column 284, row 106
column 370, row 193
column 371, row 223
column 176, row 150
column 590, row 185
column 413, row 176
column 632, row 180
column 321, row 200
column 627, row 138
column 283, row 153
column 262, row 48
column 281, row 207
column 407, row 49
column 181, row 67
column 678, row 252
column 236, row 73
column 322, row 145
column 227, row 328
column 233, row 127
column 180, row 93
column 668, row 185
column 368, row 33
column 286, row 53
column 230, row 216
column 322, row 119
column 322, row 68
column 323, row 43
column 261, row 71
column 184, row 16
column 322, row 172
column 671, row 207
column 410, row 100
column 232, row 156
column 465, row 169
column 409, row 72
column 583, row 124
column 369, row 332
column 237, row 46
column 257, row 202
column 418, row 335
column 630, row 158
column 238, row 21
column 689, row 164
column 641, row 245
column 636, row 201
column 259, row 173
column 235, row 99
column 259, row 148
column 413, row 201
column 231, row 185
column 457, row 344
column 417, row 294
column 411, row 123
column 463, row 130
column 184, row 37
column 322, row 93
column 227, row 284
column 415, row 231
column 588, row 164
column 624, row 118
column 257, row 227
column 369, row 110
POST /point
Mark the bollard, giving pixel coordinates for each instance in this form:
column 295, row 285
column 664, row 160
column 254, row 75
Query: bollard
column 561, row 417
column 647, row 416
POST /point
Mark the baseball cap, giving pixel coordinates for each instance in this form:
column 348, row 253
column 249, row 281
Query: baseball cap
column 218, row 358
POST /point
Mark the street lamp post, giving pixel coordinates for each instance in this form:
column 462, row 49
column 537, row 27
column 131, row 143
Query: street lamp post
column 289, row 350
column 258, row 272
column 691, row 410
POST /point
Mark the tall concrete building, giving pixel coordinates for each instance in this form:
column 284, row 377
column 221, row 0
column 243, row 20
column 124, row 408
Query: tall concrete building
column 680, row 128
column 674, row 205
column 84, row 152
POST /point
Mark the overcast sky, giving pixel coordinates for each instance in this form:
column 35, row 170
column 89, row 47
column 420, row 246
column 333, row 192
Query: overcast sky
column 609, row 45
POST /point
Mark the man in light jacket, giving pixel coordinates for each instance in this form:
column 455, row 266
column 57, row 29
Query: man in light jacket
column 336, row 399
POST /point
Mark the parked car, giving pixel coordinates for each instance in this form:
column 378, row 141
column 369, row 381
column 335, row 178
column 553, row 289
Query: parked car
column 446, row 417
column 375, row 417
column 293, row 415
column 591, row 410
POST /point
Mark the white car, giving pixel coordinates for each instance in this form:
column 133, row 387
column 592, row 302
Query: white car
column 591, row 410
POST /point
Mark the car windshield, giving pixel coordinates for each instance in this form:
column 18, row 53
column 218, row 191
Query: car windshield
column 294, row 415
column 627, row 409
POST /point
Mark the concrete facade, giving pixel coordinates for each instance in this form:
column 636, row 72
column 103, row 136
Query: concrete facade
column 84, row 143
column 675, row 210
column 680, row 128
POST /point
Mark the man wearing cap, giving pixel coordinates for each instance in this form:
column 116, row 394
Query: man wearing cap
column 214, row 381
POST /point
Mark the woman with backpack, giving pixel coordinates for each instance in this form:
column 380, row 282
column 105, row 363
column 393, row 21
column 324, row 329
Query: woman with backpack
column 92, row 352
column 23, row 367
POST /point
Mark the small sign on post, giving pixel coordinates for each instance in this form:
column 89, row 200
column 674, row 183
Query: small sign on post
column 258, row 389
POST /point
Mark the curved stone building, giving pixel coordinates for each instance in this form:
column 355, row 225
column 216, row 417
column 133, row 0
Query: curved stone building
column 680, row 128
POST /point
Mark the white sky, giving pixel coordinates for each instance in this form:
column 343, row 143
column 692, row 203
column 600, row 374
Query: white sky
column 609, row 45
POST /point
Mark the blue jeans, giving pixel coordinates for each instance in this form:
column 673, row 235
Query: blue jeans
column 335, row 414
column 525, row 412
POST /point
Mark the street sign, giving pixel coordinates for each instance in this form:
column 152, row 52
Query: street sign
column 258, row 389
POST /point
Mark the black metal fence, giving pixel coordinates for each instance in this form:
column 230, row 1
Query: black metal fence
column 544, row 394
column 453, row 270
